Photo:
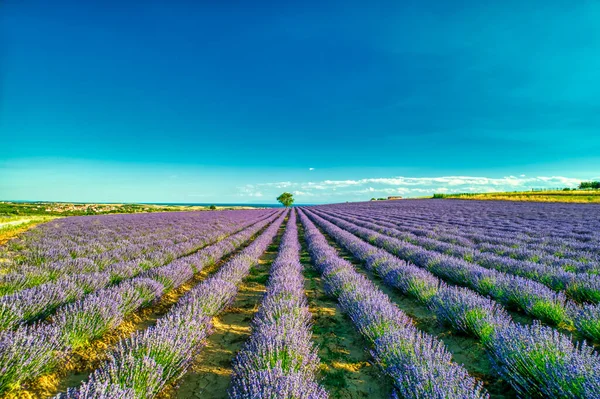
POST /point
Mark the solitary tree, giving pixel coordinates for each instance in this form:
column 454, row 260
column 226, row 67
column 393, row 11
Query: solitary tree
column 286, row 199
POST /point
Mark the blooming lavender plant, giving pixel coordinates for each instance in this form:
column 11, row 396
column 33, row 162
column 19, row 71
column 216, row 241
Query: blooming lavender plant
column 40, row 301
column 83, row 321
column 153, row 358
column 104, row 390
column 582, row 287
column 79, row 323
column 279, row 359
column 28, row 352
column 550, row 245
column 531, row 297
column 587, row 320
column 466, row 311
column 538, row 361
column 419, row 364
column 277, row 383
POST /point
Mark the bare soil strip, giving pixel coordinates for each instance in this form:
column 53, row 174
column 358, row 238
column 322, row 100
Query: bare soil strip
column 346, row 368
column 465, row 349
column 84, row 361
column 210, row 374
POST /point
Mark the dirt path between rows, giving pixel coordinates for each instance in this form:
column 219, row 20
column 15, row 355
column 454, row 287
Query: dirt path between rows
column 210, row 374
column 346, row 368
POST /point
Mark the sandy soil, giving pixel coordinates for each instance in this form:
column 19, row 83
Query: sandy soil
column 346, row 368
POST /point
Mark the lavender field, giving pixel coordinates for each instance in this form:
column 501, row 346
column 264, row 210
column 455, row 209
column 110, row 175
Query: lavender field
column 388, row 299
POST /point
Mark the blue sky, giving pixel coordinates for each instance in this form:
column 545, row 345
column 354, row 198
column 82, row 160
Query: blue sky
column 185, row 101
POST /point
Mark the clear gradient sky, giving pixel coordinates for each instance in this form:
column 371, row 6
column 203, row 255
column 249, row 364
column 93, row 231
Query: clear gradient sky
column 234, row 101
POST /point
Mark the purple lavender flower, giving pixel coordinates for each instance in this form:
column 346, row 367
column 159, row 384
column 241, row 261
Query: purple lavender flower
column 27, row 352
column 279, row 359
column 418, row 363
column 150, row 359
column 100, row 390
column 539, row 361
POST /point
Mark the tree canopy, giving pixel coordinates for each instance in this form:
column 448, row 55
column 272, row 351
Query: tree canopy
column 589, row 185
column 286, row 199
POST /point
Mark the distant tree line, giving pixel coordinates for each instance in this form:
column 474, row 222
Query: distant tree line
column 589, row 185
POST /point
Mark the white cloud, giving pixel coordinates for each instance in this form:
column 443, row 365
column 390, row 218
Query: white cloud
column 359, row 189
column 302, row 193
column 249, row 190
column 311, row 169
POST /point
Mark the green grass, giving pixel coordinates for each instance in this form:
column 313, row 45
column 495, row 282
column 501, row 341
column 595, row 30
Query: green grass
column 11, row 226
column 575, row 196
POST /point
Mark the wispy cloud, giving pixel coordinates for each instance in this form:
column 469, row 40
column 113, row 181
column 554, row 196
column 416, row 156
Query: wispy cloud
column 249, row 190
column 362, row 189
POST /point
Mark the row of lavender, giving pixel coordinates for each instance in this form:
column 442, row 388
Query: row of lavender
column 516, row 292
column 142, row 365
column 536, row 360
column 582, row 287
column 505, row 245
column 418, row 363
column 88, row 245
column 40, row 301
column 443, row 220
column 546, row 222
column 94, row 237
column 571, row 255
column 279, row 359
column 31, row 351
column 576, row 242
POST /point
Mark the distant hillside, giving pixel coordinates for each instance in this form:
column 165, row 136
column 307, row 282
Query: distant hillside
column 579, row 196
column 12, row 208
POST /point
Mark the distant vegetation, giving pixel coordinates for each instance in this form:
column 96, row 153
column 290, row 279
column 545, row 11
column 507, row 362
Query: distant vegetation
column 589, row 185
column 587, row 192
column 8, row 208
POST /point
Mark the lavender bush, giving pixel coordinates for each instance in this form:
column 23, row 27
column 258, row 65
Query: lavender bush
column 580, row 286
column 40, row 301
column 468, row 312
column 89, row 318
column 149, row 360
column 279, row 359
column 529, row 296
column 419, row 364
column 541, row 362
